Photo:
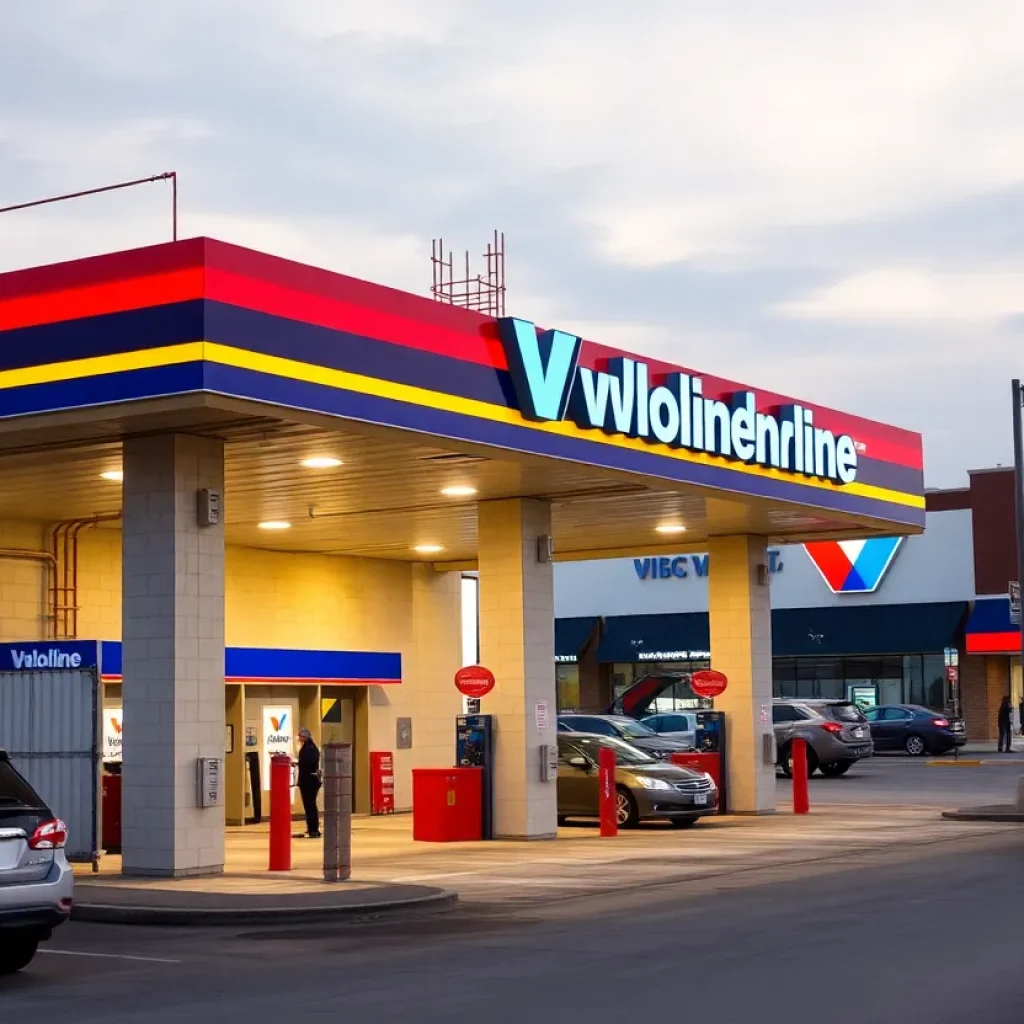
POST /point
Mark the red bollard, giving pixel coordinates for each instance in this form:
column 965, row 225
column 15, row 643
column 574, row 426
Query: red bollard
column 280, row 812
column 607, row 797
column 801, row 800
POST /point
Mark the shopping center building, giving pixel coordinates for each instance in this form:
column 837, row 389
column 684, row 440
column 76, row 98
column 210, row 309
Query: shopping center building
column 848, row 622
column 257, row 486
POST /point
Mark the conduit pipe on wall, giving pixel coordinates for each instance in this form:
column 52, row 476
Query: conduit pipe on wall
column 64, row 606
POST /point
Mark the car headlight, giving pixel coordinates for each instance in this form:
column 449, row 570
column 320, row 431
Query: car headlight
column 710, row 778
column 651, row 783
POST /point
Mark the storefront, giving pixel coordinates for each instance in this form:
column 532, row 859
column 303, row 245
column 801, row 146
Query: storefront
column 883, row 631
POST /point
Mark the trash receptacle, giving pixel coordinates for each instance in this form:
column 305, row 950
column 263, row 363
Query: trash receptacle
column 447, row 804
column 111, row 813
column 705, row 762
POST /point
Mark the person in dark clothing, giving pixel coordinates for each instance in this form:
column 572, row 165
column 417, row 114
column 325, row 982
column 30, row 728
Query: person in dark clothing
column 1020, row 720
column 1004, row 719
column 309, row 782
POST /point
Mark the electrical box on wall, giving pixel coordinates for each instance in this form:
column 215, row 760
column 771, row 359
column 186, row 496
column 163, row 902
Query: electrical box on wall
column 209, row 773
column 548, row 763
column 208, row 510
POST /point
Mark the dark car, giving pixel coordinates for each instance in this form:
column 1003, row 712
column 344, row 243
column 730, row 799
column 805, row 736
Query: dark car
column 914, row 729
column 646, row 788
column 624, row 728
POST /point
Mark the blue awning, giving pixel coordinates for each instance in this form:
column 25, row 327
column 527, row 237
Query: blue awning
column 676, row 637
column 796, row 632
column 867, row 629
column 572, row 634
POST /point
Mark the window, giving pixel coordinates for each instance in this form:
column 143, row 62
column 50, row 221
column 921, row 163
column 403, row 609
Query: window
column 631, row 730
column 872, row 714
column 894, row 715
column 845, row 713
column 675, row 723
column 784, row 713
column 595, row 725
column 625, row 753
column 15, row 791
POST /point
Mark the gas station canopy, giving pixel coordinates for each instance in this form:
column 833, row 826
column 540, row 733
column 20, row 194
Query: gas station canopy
column 289, row 363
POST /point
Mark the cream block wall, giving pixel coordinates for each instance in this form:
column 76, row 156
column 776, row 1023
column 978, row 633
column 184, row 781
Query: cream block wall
column 275, row 599
column 22, row 584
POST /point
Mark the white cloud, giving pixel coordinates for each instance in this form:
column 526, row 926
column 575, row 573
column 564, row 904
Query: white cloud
column 913, row 295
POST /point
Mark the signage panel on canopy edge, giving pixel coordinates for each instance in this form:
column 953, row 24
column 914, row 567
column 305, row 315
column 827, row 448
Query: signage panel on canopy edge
column 670, row 409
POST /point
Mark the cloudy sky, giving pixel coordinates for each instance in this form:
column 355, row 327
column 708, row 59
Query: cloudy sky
column 824, row 198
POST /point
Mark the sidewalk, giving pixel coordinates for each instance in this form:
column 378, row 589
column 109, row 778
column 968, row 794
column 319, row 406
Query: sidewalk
column 579, row 865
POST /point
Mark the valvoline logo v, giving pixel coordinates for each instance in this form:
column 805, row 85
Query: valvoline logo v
column 115, row 725
column 278, row 723
column 854, row 566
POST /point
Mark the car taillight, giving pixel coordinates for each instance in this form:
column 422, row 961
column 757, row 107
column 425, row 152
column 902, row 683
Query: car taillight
column 831, row 727
column 940, row 723
column 50, row 835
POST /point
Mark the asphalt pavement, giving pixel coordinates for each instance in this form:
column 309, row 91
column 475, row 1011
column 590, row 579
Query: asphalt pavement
column 930, row 933
column 913, row 781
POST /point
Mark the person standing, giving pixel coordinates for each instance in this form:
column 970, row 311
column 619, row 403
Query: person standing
column 1004, row 720
column 309, row 782
column 1020, row 713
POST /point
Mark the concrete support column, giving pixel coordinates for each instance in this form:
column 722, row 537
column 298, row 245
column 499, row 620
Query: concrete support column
column 741, row 647
column 517, row 643
column 173, row 655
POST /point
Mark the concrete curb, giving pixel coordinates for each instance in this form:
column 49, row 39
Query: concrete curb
column 962, row 763
column 206, row 917
column 977, row 762
column 996, row 812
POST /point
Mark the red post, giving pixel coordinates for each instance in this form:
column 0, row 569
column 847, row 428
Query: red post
column 280, row 813
column 801, row 801
column 607, row 792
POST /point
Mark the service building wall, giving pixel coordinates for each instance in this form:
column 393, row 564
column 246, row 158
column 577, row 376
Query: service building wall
column 304, row 601
column 935, row 566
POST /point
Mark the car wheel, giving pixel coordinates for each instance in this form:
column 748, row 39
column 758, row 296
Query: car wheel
column 787, row 761
column 626, row 813
column 16, row 953
column 684, row 822
column 915, row 746
column 837, row 768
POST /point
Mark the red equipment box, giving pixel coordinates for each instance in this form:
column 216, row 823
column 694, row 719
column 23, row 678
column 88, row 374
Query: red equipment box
column 447, row 804
column 111, row 821
column 706, row 762
column 382, row 782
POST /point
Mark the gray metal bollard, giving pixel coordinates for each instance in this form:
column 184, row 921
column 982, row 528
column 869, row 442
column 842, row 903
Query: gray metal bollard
column 337, row 811
column 1020, row 794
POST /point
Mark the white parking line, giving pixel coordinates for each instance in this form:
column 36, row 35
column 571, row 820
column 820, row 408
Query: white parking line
column 109, row 956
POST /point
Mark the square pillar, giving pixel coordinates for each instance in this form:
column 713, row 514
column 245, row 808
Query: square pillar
column 741, row 647
column 173, row 656
column 517, row 643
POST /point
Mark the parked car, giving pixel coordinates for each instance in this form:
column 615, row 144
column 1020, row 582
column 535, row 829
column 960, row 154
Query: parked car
column 915, row 729
column 36, row 884
column 624, row 728
column 676, row 725
column 646, row 788
column 836, row 731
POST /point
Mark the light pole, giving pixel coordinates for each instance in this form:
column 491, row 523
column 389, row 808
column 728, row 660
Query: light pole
column 1018, row 493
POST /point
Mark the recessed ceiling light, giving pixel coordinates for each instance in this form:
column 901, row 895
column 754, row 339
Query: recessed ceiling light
column 321, row 462
column 275, row 524
column 428, row 549
column 670, row 528
column 115, row 476
column 458, row 491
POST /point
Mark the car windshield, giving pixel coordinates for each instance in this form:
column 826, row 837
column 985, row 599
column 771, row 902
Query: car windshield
column 632, row 730
column 625, row 753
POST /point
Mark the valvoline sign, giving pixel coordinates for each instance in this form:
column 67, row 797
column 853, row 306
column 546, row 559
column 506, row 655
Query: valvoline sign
column 679, row 567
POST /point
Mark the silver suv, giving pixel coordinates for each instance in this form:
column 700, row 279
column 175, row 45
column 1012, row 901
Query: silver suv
column 837, row 734
column 36, row 883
